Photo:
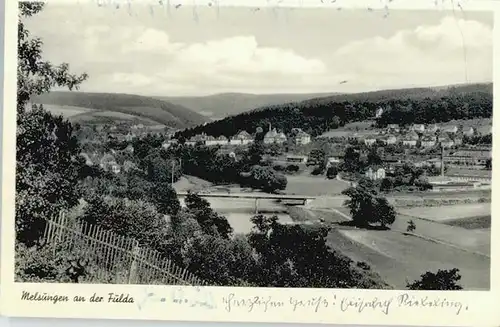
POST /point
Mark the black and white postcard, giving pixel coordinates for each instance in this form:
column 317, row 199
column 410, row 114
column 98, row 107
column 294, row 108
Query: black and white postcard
column 261, row 162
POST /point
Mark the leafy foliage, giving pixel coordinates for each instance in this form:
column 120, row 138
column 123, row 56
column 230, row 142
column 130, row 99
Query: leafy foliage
column 46, row 150
column 134, row 218
column 266, row 179
column 367, row 207
column 211, row 222
column 442, row 280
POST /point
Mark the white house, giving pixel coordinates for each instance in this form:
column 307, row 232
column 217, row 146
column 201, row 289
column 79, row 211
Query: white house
column 273, row 137
column 242, row 138
column 393, row 128
column 447, row 143
column 379, row 112
column 210, row 141
column 451, row 129
column 302, row 138
column 432, row 128
column 410, row 139
column 390, row 139
column 428, row 142
column 196, row 139
column 222, row 140
column 370, row 140
column 468, row 131
column 442, row 137
column 296, row 159
column 418, row 128
column 375, row 174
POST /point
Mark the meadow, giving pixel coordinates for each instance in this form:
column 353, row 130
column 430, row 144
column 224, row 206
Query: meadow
column 448, row 212
column 314, row 185
column 400, row 258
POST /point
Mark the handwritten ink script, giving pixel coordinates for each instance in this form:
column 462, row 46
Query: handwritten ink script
column 196, row 297
column 358, row 304
column 203, row 298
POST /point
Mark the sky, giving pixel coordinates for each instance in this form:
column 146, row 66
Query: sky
column 198, row 51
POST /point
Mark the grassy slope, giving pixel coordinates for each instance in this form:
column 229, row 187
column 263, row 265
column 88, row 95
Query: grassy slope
column 397, row 257
column 161, row 112
column 225, row 104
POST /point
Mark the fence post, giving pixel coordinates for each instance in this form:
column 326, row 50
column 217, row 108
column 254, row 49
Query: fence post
column 132, row 277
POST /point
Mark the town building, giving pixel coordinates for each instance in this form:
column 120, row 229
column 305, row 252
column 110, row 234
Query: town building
column 168, row 143
column 447, row 143
column 468, row 131
column 442, row 137
column 410, row 139
column 300, row 159
column 370, row 140
column 222, row 140
column 274, row 137
column 477, row 158
column 379, row 113
column 332, row 161
column 242, row 138
column 450, row 129
column 390, row 139
column 428, row 142
column 108, row 163
column 302, row 138
column 375, row 173
column 458, row 139
column 196, row 139
column 393, row 128
column 419, row 128
column 432, row 128
column 210, row 141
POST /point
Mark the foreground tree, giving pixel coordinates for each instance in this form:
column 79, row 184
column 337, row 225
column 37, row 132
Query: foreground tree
column 46, row 150
column 367, row 207
column 443, row 280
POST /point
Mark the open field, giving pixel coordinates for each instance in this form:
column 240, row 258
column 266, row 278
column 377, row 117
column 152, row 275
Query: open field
column 314, row 185
column 400, row 258
column 66, row 111
column 474, row 240
column 468, row 172
column 477, row 223
column 449, row 211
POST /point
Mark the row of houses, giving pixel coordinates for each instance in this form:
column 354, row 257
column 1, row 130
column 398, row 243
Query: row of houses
column 434, row 128
column 413, row 139
column 107, row 162
column 298, row 136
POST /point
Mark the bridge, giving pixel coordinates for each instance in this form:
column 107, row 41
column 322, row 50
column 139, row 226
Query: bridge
column 303, row 199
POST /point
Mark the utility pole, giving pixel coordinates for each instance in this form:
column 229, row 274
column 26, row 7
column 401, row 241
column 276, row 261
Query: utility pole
column 442, row 161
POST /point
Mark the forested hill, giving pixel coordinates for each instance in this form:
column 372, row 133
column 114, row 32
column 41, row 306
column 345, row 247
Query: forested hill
column 115, row 107
column 406, row 106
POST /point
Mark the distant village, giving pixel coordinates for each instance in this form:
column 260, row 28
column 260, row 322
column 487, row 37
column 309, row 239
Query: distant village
column 418, row 137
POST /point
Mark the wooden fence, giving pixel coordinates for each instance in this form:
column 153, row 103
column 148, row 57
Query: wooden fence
column 114, row 258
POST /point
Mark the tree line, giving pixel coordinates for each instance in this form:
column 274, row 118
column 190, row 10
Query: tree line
column 317, row 117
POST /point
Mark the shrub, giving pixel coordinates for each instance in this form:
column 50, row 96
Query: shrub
column 266, row 179
column 279, row 167
column 317, row 171
column 292, row 168
column 443, row 280
column 332, row 172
